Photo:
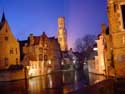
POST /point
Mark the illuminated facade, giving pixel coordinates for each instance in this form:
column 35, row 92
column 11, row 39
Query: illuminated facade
column 9, row 47
column 98, row 64
column 116, row 18
column 62, row 34
column 42, row 54
column 100, row 57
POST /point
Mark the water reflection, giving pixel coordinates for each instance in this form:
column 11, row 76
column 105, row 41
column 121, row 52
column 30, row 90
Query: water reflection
column 55, row 83
column 61, row 82
column 94, row 78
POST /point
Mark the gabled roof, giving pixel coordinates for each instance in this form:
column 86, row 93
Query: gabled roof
column 3, row 19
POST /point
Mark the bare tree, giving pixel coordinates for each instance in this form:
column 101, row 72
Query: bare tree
column 85, row 45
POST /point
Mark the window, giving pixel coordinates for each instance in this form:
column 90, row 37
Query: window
column 123, row 15
column 16, row 51
column 40, row 57
column 45, row 51
column 45, row 57
column 114, row 7
column 60, row 39
column 16, row 60
column 45, row 44
column 6, row 38
column 41, row 50
column 11, row 51
column 6, row 61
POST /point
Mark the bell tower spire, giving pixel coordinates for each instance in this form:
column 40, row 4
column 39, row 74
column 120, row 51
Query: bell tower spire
column 62, row 34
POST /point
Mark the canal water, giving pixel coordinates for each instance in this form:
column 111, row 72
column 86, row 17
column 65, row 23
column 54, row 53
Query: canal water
column 61, row 82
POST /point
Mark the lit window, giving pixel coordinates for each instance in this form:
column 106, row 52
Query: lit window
column 45, row 44
column 45, row 57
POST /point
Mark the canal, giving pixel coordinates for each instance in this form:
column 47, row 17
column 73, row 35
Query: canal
column 61, row 82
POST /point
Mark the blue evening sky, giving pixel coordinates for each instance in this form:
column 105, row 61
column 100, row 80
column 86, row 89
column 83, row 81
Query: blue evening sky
column 37, row 16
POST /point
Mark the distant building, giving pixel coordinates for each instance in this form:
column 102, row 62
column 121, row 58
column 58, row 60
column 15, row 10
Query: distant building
column 9, row 46
column 62, row 34
column 41, row 54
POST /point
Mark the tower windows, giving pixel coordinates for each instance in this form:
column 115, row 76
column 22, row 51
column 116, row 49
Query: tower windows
column 123, row 15
column 60, row 39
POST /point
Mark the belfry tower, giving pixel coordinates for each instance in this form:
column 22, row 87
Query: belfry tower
column 62, row 34
column 116, row 18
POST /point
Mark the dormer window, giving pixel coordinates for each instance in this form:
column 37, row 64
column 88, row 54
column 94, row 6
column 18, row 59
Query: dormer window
column 123, row 15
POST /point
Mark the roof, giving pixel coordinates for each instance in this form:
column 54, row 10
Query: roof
column 3, row 19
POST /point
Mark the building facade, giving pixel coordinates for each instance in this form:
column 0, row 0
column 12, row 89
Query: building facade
column 42, row 54
column 116, row 18
column 98, row 65
column 99, row 59
column 62, row 34
column 9, row 46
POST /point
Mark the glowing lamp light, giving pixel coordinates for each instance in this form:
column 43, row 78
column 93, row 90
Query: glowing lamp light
column 30, row 71
column 49, row 62
column 95, row 49
column 62, row 63
column 74, row 61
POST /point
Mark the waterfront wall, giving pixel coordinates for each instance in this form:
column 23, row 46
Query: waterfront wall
column 10, row 75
